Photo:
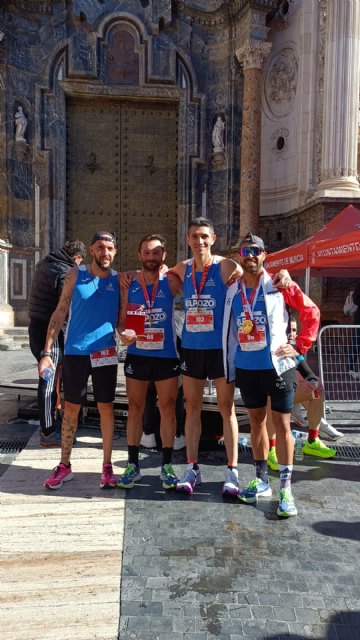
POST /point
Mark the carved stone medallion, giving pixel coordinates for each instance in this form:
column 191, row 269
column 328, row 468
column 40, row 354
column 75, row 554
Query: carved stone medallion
column 281, row 82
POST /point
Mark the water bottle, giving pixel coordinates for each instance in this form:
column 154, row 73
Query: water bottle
column 299, row 453
column 47, row 374
column 243, row 442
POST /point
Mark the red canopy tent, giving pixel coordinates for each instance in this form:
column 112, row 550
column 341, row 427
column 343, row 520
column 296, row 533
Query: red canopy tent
column 332, row 251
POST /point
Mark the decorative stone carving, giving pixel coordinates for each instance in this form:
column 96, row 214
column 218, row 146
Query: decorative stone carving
column 20, row 125
column 285, row 15
column 253, row 54
column 218, row 136
column 203, row 5
column 281, row 82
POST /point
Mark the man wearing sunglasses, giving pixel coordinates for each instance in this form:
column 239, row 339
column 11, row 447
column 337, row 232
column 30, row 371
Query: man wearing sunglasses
column 258, row 356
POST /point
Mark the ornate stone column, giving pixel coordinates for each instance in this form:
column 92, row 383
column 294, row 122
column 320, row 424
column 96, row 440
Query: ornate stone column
column 340, row 99
column 252, row 57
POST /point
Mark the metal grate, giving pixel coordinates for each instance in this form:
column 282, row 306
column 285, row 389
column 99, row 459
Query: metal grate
column 12, row 446
column 346, row 451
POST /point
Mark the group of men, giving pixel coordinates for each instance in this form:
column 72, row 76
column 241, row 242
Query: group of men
column 235, row 332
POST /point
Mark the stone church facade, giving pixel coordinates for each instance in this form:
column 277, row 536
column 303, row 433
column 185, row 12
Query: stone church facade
column 137, row 115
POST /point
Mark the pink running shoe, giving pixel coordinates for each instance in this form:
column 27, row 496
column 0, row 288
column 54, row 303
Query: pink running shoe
column 107, row 479
column 61, row 474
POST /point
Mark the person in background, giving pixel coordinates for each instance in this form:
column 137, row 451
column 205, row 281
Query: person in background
column 45, row 292
column 309, row 395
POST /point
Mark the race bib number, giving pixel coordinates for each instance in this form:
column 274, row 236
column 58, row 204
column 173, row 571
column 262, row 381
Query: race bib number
column 202, row 320
column 151, row 340
column 253, row 341
column 104, row 357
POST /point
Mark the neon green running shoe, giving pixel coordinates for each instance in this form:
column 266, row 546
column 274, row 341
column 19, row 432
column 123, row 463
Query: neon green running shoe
column 129, row 477
column 254, row 489
column 318, row 449
column 272, row 459
column 286, row 507
column 168, row 477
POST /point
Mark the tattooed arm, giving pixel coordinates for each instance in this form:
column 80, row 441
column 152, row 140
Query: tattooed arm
column 58, row 317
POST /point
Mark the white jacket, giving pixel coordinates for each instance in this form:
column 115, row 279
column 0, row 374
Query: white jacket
column 278, row 318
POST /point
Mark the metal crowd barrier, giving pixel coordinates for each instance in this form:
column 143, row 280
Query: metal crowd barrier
column 339, row 365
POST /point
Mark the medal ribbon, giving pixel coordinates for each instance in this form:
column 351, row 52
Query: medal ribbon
column 149, row 303
column 204, row 276
column 249, row 305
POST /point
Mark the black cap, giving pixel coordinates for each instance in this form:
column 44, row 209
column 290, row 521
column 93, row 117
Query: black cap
column 104, row 235
column 250, row 238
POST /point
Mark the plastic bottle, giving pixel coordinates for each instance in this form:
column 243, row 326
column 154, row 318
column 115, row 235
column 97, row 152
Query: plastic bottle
column 47, row 374
column 299, row 453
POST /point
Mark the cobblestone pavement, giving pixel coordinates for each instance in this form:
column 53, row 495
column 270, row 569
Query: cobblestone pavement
column 201, row 567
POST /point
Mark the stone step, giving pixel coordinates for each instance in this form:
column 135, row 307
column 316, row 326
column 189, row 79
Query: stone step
column 14, row 338
column 14, row 331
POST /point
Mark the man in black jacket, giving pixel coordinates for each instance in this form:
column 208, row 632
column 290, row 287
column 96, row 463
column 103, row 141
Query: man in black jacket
column 44, row 296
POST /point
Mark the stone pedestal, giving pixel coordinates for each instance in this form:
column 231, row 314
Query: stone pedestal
column 341, row 101
column 6, row 315
column 252, row 56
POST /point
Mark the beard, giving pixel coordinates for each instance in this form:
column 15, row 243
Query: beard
column 101, row 265
column 151, row 266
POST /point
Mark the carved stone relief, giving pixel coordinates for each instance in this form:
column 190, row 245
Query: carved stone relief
column 253, row 54
column 281, row 82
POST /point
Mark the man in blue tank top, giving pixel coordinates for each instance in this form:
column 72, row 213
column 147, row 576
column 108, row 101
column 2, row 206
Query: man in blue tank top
column 148, row 325
column 90, row 297
column 204, row 279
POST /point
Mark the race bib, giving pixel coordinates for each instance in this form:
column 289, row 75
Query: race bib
column 152, row 339
column 202, row 320
column 253, row 341
column 104, row 357
column 135, row 318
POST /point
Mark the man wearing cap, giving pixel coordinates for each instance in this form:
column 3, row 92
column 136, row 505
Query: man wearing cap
column 90, row 297
column 259, row 357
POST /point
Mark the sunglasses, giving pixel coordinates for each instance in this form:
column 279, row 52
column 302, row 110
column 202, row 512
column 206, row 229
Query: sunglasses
column 250, row 251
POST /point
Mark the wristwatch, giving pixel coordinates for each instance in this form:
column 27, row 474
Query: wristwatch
column 45, row 353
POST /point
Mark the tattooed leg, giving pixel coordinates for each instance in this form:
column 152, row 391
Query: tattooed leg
column 68, row 430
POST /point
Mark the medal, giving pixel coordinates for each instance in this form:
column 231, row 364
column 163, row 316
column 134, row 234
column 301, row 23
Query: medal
column 247, row 326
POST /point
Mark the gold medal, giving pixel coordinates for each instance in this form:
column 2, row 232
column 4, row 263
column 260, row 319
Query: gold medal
column 247, row 326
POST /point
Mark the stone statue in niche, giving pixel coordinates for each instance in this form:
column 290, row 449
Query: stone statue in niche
column 218, row 136
column 20, row 125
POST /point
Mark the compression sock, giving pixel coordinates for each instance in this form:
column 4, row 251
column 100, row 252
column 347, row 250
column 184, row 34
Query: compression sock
column 261, row 469
column 285, row 471
column 133, row 453
column 167, row 455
